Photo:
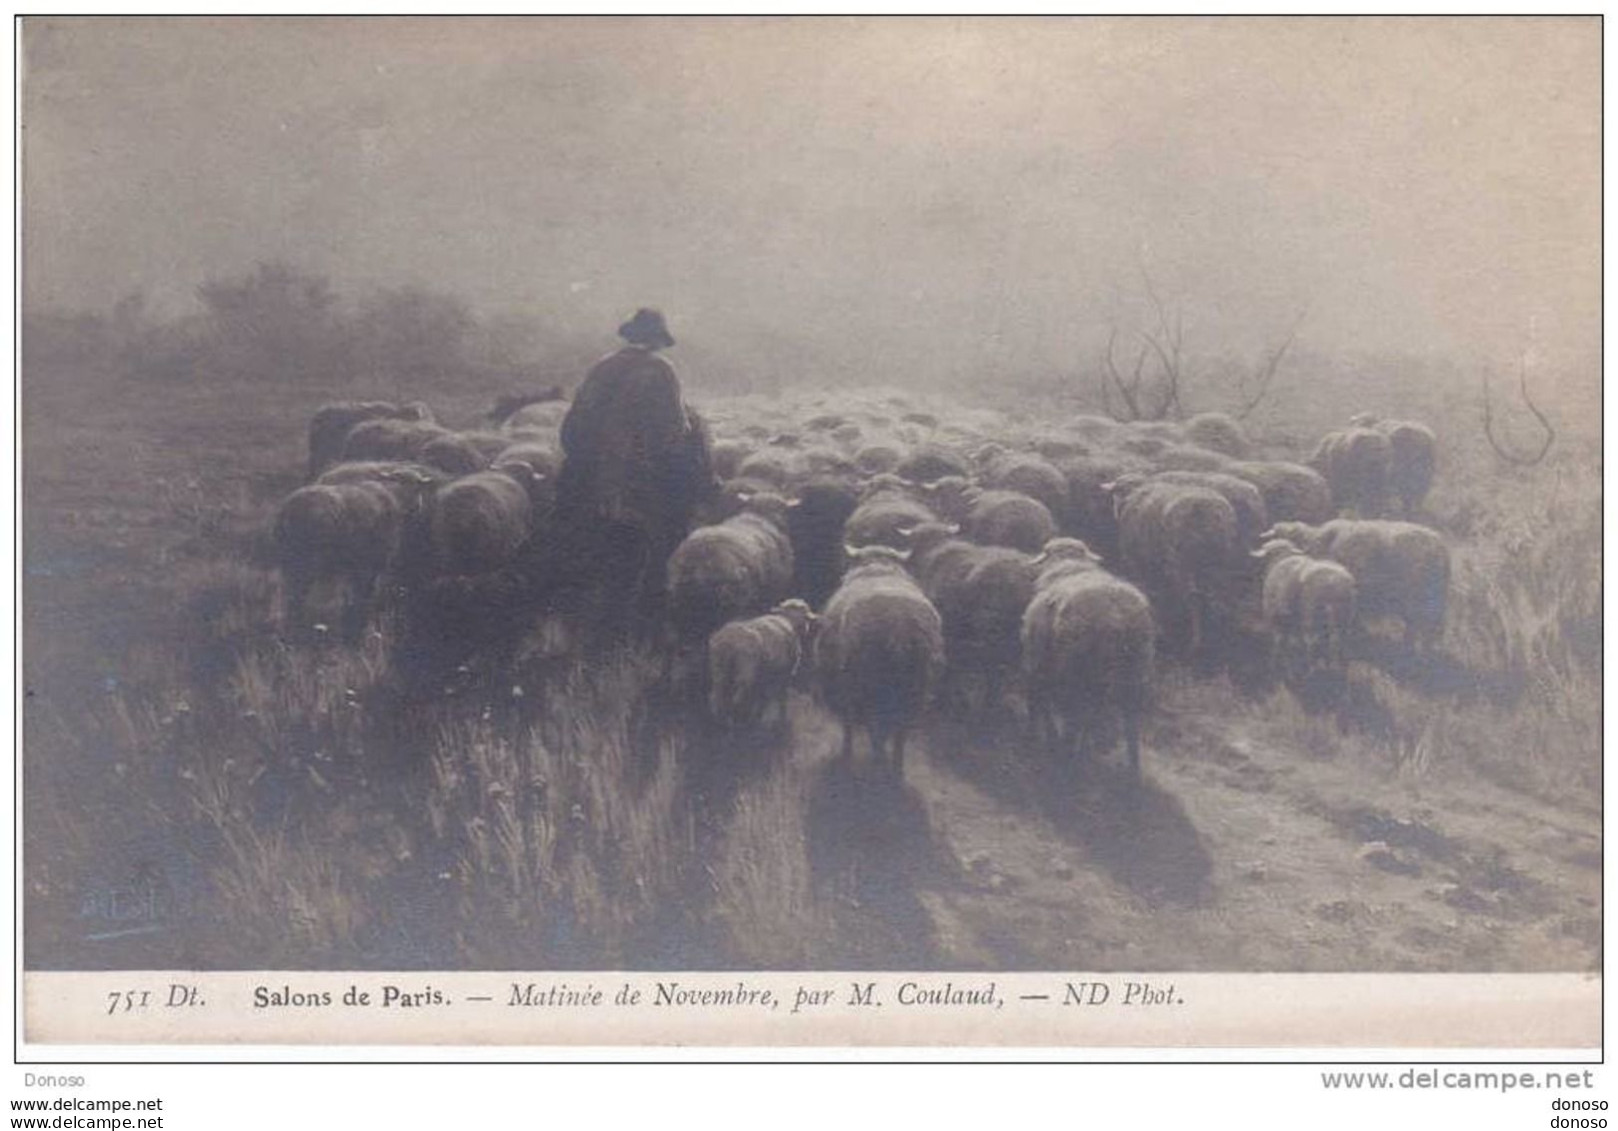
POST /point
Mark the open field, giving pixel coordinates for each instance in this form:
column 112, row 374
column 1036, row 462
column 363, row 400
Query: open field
column 201, row 793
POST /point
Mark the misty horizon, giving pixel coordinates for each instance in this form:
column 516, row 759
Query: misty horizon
column 854, row 196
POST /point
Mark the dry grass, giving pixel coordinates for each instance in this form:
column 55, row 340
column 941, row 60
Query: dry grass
column 561, row 840
column 320, row 820
column 765, row 899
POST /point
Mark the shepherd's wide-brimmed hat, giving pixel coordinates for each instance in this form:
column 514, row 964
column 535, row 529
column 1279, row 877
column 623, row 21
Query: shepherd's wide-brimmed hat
column 647, row 328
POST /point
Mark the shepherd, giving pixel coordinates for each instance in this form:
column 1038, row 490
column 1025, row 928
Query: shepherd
column 635, row 467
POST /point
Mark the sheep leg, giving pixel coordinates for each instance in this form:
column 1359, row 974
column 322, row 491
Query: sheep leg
column 898, row 757
column 665, row 677
column 1132, row 740
column 357, row 609
column 296, row 584
column 848, row 741
column 960, row 695
column 1036, row 719
column 1432, row 630
column 1081, row 734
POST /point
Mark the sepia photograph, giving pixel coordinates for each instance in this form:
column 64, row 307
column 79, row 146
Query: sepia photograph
column 750, row 519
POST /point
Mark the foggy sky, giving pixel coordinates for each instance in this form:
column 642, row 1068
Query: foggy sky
column 959, row 195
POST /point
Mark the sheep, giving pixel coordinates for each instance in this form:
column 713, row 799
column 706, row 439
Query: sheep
column 1091, row 515
column 1252, row 516
column 544, row 458
column 827, row 462
column 1400, row 569
column 477, row 522
column 1087, row 652
column 877, row 457
column 1217, row 432
column 490, row 444
column 1180, row 541
column 949, row 498
column 1164, row 431
column 386, row 472
column 980, row 592
column 848, row 435
column 736, row 568
column 1412, row 457
column 727, row 457
column 1008, row 518
column 1413, row 461
column 1033, row 476
column 985, row 456
column 330, row 426
column 815, row 526
column 543, row 417
column 1355, row 461
column 879, row 654
column 1147, row 447
column 732, row 498
column 412, row 486
column 1095, row 429
column 751, row 664
column 454, row 453
column 885, row 518
column 931, row 462
column 1187, row 457
column 539, row 486
column 345, row 533
column 891, row 483
column 776, row 466
column 508, row 404
column 916, row 438
column 1292, row 492
column 1060, row 447
column 390, row 439
column 1308, row 603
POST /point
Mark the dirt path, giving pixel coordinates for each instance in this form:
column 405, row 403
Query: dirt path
column 1235, row 856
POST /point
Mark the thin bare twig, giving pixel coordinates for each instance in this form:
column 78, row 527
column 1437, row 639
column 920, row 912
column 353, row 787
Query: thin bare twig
column 1131, row 391
column 1488, row 423
column 1168, row 343
column 1266, row 375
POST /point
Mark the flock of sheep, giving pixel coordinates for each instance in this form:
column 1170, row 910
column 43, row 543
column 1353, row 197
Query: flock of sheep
column 896, row 558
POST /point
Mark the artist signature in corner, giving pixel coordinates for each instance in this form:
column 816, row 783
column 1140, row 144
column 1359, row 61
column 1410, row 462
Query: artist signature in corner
column 140, row 908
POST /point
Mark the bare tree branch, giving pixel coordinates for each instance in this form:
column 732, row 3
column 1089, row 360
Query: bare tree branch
column 1266, row 374
column 1131, row 391
column 1488, row 423
column 1168, row 360
column 1164, row 342
column 1168, row 343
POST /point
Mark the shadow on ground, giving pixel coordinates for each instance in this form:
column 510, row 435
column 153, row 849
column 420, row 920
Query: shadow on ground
column 871, row 852
column 1138, row 834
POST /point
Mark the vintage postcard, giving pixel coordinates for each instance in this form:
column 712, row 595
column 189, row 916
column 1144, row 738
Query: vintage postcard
column 1065, row 533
